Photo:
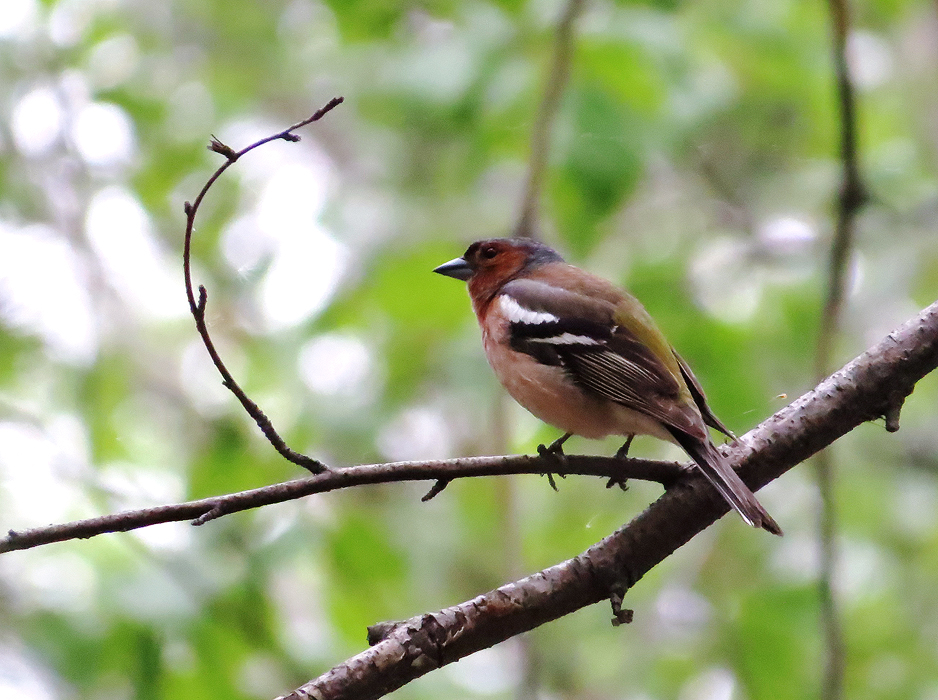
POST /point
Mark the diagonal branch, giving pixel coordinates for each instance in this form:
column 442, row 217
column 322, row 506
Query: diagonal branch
column 872, row 385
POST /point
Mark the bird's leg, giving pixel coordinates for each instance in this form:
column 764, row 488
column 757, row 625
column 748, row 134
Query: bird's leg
column 555, row 453
column 623, row 451
column 555, row 449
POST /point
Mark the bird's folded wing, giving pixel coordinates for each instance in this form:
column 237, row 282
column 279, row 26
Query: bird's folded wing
column 579, row 333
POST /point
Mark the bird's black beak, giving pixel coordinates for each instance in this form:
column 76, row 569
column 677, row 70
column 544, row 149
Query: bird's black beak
column 457, row 268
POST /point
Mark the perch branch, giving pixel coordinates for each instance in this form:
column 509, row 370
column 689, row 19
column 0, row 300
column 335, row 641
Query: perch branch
column 201, row 511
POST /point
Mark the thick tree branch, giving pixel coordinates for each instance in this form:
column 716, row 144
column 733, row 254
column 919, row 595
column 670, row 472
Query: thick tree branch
column 201, row 511
column 872, row 385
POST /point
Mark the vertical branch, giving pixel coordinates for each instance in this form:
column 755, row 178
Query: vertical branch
column 850, row 200
column 556, row 81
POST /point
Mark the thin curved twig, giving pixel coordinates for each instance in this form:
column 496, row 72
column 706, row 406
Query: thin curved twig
column 203, row 510
column 198, row 307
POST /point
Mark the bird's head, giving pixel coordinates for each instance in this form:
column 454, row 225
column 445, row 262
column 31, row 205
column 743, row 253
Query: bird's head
column 487, row 265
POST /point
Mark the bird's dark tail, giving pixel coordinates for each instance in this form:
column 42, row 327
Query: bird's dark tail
column 725, row 479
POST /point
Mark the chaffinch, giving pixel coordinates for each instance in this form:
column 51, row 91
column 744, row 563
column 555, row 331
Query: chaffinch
column 587, row 358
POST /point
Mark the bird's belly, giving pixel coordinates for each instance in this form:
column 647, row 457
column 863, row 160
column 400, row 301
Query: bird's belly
column 551, row 395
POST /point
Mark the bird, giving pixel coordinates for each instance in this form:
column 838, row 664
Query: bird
column 586, row 357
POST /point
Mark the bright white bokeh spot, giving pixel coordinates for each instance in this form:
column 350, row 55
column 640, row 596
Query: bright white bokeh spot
column 681, row 611
column 914, row 503
column 191, row 112
column 23, row 678
column 113, row 61
column 724, row 282
column 420, row 432
column 70, row 19
column 786, row 235
column 440, row 69
column 303, row 276
column 37, row 121
column 712, row 684
column 59, row 581
column 797, row 559
column 243, row 245
column 296, row 591
column 335, row 364
column 864, row 571
column 305, row 263
column 291, row 201
column 869, row 59
column 42, row 290
column 18, row 18
column 103, row 134
column 496, row 670
column 262, row 676
column 201, row 382
column 132, row 485
column 121, row 235
column 32, row 488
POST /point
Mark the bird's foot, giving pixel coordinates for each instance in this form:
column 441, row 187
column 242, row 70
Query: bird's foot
column 554, row 453
column 623, row 451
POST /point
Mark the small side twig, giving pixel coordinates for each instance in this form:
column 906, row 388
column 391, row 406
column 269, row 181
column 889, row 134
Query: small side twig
column 198, row 307
column 435, row 490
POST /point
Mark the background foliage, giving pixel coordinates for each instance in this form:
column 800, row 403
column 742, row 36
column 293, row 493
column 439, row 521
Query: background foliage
column 694, row 160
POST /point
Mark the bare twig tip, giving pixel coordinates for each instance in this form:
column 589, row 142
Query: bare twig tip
column 620, row 615
column 215, row 511
column 892, row 417
column 379, row 631
column 435, row 490
column 624, row 617
column 187, row 209
column 218, row 147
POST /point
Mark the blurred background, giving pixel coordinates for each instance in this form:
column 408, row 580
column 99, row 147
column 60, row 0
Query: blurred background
column 693, row 160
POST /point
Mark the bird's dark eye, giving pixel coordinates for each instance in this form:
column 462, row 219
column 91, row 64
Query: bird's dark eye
column 489, row 252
